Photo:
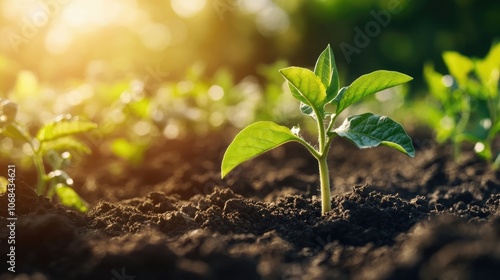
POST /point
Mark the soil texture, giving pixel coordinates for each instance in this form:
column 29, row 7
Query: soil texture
column 172, row 217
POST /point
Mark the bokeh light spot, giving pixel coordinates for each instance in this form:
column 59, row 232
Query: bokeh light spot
column 479, row 147
column 187, row 8
column 253, row 6
column 216, row 119
column 447, row 80
column 216, row 92
column 486, row 123
column 171, row 130
column 142, row 128
column 7, row 144
column 272, row 21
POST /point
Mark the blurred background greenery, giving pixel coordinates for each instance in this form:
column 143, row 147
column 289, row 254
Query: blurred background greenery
column 61, row 40
column 149, row 68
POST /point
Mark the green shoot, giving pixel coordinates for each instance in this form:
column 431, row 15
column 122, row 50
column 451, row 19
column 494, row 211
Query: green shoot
column 315, row 90
column 54, row 143
column 469, row 102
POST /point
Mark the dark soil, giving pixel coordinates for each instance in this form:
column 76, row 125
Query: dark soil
column 392, row 217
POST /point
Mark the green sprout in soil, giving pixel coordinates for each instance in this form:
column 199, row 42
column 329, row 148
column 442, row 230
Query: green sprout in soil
column 315, row 90
column 469, row 103
column 55, row 143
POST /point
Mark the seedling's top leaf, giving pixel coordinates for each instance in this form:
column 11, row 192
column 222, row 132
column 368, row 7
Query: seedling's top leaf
column 327, row 71
column 306, row 87
column 459, row 66
column 369, row 84
column 254, row 140
column 64, row 126
column 369, row 130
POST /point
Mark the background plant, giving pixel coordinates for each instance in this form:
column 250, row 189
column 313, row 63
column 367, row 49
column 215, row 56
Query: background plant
column 315, row 90
column 54, row 144
column 468, row 102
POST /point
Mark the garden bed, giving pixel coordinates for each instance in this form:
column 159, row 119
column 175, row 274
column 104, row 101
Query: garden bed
column 392, row 217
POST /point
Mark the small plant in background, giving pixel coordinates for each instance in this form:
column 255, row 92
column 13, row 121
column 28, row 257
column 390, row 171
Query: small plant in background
column 54, row 144
column 315, row 90
column 469, row 103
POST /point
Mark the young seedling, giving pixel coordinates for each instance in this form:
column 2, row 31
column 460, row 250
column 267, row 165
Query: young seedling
column 315, row 90
column 52, row 143
column 469, row 103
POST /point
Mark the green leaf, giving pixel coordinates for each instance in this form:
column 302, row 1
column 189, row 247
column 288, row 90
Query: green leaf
column 141, row 108
column 255, row 140
column 63, row 144
column 369, row 84
column 327, row 71
column 132, row 152
column 496, row 128
column 16, row 131
column 444, row 128
column 305, row 86
column 340, row 95
column 488, row 70
column 307, row 110
column 69, row 198
column 482, row 149
column 436, row 86
column 459, row 66
column 63, row 127
column 369, row 130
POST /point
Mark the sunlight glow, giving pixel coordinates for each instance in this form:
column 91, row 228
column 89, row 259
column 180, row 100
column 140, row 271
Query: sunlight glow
column 187, row 8
column 156, row 36
column 93, row 13
column 11, row 8
column 58, row 39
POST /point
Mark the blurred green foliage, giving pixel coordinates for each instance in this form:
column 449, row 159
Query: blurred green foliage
column 55, row 144
column 468, row 102
column 120, row 39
